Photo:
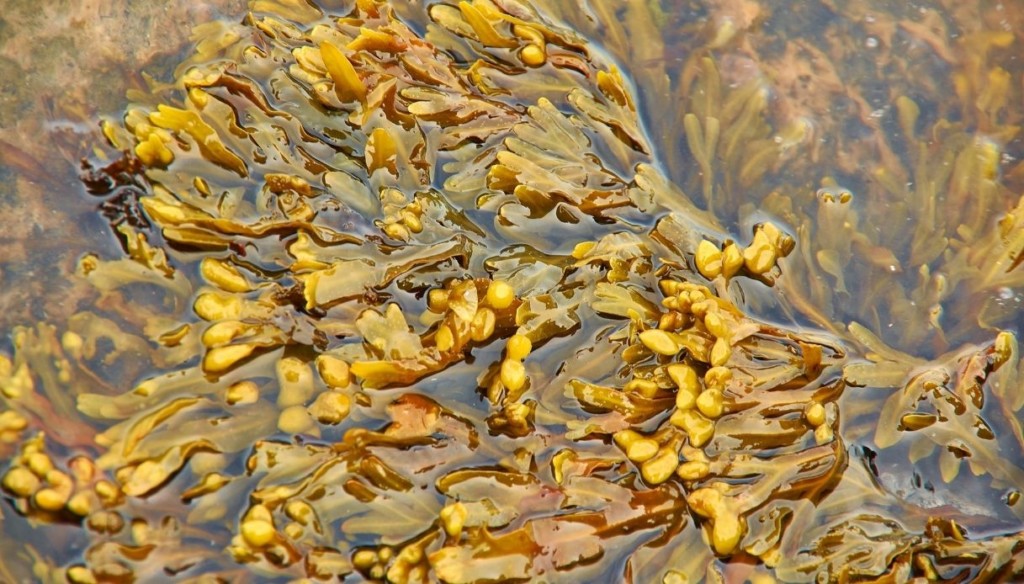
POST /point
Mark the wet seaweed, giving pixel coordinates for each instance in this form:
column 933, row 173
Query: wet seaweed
column 407, row 295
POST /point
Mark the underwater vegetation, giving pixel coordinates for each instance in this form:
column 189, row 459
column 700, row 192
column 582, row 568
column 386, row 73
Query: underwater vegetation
column 429, row 291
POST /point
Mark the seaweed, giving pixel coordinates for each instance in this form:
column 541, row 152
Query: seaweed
column 406, row 295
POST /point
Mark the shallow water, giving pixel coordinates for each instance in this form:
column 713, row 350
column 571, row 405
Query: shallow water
column 882, row 137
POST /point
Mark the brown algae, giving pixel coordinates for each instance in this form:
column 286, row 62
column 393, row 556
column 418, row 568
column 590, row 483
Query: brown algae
column 419, row 303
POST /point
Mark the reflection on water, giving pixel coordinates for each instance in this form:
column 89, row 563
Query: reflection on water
column 492, row 291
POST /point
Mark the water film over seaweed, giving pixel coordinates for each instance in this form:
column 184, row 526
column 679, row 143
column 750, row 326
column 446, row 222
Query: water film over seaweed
column 417, row 292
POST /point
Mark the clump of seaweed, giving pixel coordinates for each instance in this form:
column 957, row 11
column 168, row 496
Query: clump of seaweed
column 422, row 306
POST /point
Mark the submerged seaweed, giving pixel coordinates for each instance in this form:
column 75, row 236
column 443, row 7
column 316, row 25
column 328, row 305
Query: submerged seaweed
column 407, row 295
